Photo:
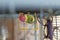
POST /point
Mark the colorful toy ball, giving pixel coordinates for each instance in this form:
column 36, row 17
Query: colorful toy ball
column 22, row 17
column 29, row 18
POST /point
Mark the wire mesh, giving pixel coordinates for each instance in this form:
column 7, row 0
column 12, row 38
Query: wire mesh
column 56, row 31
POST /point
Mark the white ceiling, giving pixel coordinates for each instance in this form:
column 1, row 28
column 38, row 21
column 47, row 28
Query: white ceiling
column 30, row 3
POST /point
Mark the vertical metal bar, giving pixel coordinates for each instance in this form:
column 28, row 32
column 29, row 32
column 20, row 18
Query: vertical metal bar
column 24, row 32
column 35, row 26
column 41, row 26
column 56, row 26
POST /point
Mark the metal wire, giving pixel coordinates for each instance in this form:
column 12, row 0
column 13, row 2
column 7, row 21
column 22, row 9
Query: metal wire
column 35, row 26
column 41, row 26
column 56, row 26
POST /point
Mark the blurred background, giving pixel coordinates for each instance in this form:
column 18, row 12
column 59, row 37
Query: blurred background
column 9, row 11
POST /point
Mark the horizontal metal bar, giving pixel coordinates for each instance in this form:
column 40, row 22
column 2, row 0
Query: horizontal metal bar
column 8, row 16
